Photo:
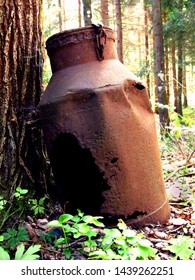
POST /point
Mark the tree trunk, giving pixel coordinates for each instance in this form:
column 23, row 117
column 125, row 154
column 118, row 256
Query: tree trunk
column 167, row 86
column 79, row 12
column 64, row 14
column 185, row 98
column 119, row 30
column 180, row 65
column 87, row 12
column 104, row 12
column 180, row 78
column 21, row 147
column 174, row 72
column 159, row 58
column 147, row 47
column 60, row 15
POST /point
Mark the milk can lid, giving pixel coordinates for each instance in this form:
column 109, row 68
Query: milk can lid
column 76, row 36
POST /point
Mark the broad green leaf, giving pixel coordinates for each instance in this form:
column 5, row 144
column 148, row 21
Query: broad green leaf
column 19, row 252
column 54, row 223
column 1, row 238
column 65, row 218
column 4, row 255
column 93, row 220
column 41, row 200
column 113, row 232
column 30, row 253
column 146, row 252
column 182, row 247
column 83, row 228
column 60, row 241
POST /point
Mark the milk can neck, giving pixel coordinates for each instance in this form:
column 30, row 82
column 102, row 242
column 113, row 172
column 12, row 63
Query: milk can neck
column 79, row 46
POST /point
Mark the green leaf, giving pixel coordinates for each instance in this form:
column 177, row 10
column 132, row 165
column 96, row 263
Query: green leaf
column 4, row 254
column 60, row 241
column 182, row 247
column 54, row 223
column 146, row 252
column 93, row 220
column 19, row 252
column 1, row 238
column 83, row 228
column 113, row 232
column 64, row 218
column 41, row 200
column 29, row 254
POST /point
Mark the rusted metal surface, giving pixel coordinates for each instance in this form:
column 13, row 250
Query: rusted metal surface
column 100, row 132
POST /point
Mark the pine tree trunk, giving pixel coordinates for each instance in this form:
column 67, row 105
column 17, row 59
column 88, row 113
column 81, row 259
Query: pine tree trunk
column 119, row 30
column 87, row 12
column 21, row 147
column 180, row 79
column 64, row 14
column 60, row 15
column 147, row 47
column 159, row 58
column 104, row 12
column 185, row 98
column 174, row 74
column 79, row 12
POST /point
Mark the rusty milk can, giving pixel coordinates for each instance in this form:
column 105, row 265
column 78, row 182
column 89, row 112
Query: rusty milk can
column 100, row 130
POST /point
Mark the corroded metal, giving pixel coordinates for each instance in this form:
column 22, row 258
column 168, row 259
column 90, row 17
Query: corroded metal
column 100, row 132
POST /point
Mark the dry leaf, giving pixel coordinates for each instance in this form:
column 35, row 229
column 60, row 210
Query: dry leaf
column 161, row 235
column 193, row 218
column 178, row 221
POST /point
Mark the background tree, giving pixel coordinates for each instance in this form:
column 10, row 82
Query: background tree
column 159, row 61
column 21, row 147
column 104, row 12
column 119, row 30
column 87, row 12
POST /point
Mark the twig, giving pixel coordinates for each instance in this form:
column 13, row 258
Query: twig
column 190, row 156
column 176, row 170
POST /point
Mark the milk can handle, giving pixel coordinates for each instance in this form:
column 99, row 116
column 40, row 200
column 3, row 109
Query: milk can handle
column 100, row 40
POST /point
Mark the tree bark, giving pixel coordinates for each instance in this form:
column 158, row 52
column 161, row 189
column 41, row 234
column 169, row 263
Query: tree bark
column 87, row 12
column 147, row 47
column 79, row 12
column 185, row 98
column 22, row 160
column 104, row 12
column 119, row 30
column 180, row 65
column 159, row 58
column 60, row 15
column 174, row 73
column 180, row 78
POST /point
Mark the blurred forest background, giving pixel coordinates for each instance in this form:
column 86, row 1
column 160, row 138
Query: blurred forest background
column 154, row 39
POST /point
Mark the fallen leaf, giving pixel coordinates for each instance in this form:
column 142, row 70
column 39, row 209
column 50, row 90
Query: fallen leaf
column 42, row 223
column 178, row 221
column 192, row 221
column 161, row 234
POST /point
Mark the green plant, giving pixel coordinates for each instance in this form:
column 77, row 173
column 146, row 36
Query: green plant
column 21, row 254
column 3, row 202
column 123, row 243
column 37, row 206
column 13, row 237
column 182, row 247
column 12, row 206
column 19, row 193
column 75, row 227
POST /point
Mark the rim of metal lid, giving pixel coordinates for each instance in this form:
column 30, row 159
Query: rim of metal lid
column 75, row 36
